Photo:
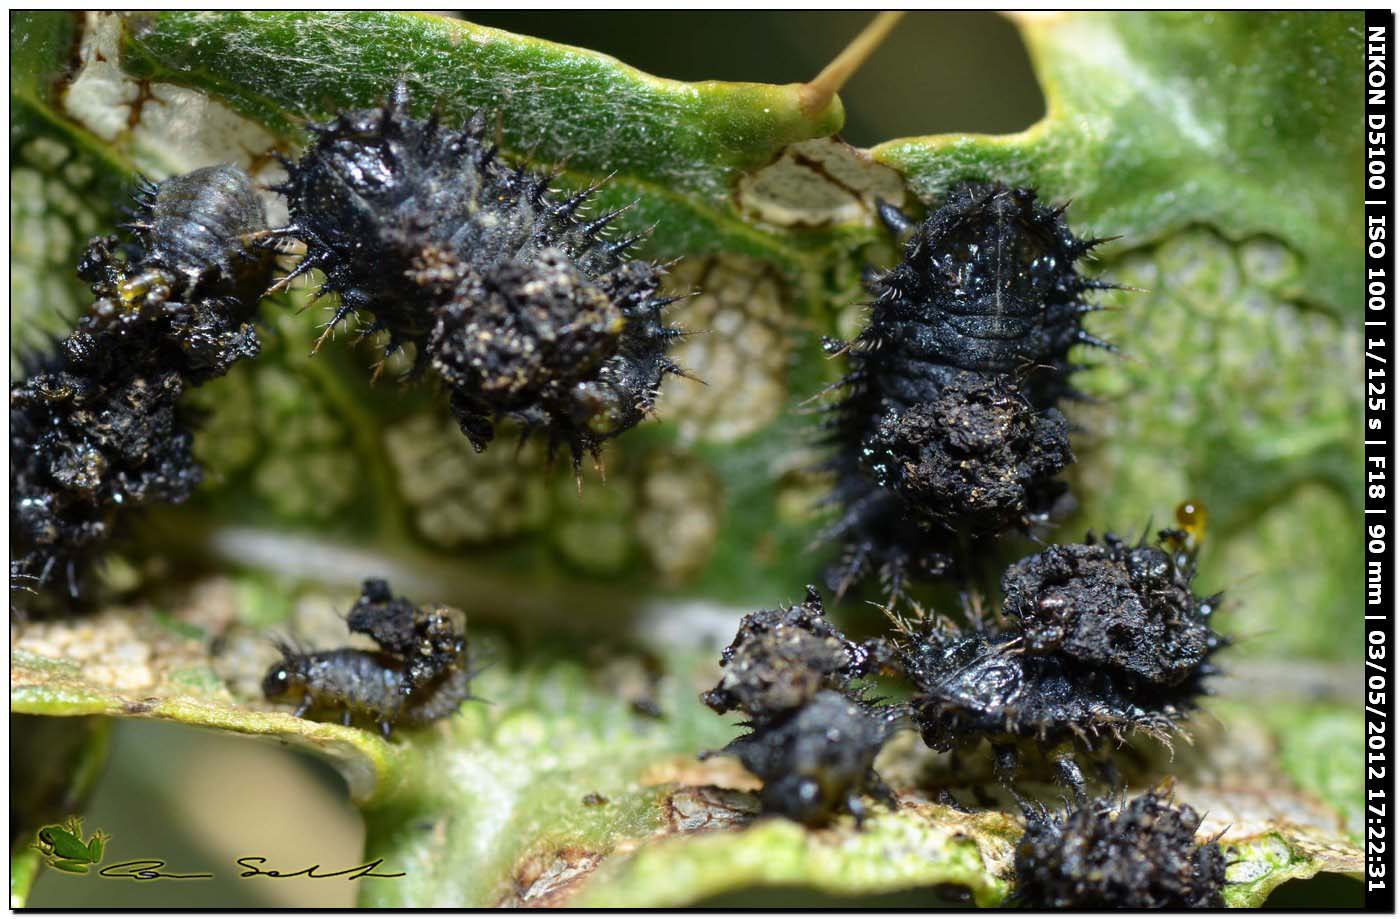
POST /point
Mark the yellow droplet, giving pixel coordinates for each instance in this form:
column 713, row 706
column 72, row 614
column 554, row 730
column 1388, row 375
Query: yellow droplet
column 1191, row 516
column 136, row 289
column 129, row 291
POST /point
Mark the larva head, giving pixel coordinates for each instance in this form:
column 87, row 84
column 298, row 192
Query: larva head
column 285, row 681
column 992, row 257
column 988, row 282
column 378, row 189
column 365, row 165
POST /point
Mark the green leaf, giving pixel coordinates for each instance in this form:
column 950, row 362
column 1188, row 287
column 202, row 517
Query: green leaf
column 1178, row 131
column 677, row 147
column 64, row 185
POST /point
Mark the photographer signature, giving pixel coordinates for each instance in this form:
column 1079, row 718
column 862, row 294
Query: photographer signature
column 62, row 846
column 150, row 869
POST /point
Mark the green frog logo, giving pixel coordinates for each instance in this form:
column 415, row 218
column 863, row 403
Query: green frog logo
column 63, row 847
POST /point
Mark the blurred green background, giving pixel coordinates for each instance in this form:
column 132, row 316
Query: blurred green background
column 200, row 800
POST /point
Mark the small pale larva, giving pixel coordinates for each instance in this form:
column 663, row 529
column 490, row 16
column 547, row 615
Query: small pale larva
column 422, row 672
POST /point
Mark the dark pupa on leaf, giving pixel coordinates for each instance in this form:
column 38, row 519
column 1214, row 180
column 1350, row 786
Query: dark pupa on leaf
column 813, row 736
column 1138, row 854
column 818, row 760
column 523, row 308
column 948, row 435
column 95, row 425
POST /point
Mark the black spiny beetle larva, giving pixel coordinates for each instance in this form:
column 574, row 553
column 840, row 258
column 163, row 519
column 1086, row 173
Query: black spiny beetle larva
column 1138, row 854
column 948, row 435
column 817, row 760
column 522, row 309
column 1059, row 674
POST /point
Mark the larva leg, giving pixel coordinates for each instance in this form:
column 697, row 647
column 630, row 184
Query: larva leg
column 1008, row 763
column 946, row 798
column 898, row 222
column 857, row 808
column 1007, row 767
column 1069, row 774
